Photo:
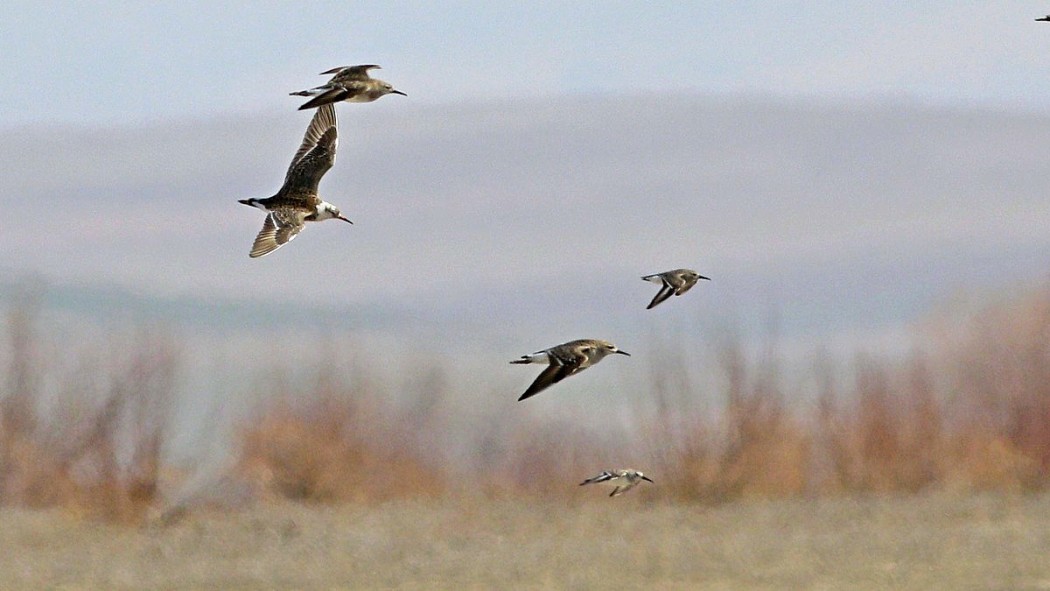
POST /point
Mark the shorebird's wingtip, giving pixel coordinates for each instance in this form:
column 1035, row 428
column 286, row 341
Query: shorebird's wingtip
column 527, row 395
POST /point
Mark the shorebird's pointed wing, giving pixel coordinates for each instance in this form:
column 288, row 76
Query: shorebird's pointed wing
column 334, row 94
column 316, row 155
column 547, row 378
column 665, row 292
column 279, row 227
column 351, row 72
column 603, row 477
column 322, row 121
column 337, row 90
column 335, row 70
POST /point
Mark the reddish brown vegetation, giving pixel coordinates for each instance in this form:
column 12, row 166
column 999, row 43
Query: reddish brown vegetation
column 972, row 414
column 968, row 411
column 334, row 443
column 97, row 449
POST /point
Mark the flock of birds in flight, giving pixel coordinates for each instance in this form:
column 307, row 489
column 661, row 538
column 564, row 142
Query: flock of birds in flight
column 298, row 202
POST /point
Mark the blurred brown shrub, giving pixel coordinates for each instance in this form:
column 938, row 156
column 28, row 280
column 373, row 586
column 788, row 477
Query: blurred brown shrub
column 90, row 438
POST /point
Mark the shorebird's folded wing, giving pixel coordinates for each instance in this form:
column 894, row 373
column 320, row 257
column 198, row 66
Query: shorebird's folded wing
column 278, row 229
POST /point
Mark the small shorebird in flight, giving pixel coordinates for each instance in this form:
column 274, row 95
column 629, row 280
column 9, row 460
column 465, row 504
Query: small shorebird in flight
column 351, row 84
column 623, row 480
column 565, row 360
column 297, row 201
column 674, row 282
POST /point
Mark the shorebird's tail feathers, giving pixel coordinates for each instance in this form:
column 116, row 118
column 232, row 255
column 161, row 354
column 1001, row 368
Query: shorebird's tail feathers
column 310, row 92
column 253, row 202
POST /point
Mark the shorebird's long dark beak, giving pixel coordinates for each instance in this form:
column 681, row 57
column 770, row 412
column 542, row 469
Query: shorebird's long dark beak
column 648, row 479
column 398, row 92
column 624, row 353
column 339, row 217
column 702, row 277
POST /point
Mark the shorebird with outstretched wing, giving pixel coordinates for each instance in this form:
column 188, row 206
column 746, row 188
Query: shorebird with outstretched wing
column 297, row 202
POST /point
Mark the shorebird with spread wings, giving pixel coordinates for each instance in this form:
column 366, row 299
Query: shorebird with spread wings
column 351, row 84
column 566, row 360
column 622, row 480
column 674, row 282
column 297, row 202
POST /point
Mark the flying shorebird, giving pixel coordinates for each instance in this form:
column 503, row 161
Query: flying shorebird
column 565, row 360
column 351, row 84
column 623, row 480
column 674, row 282
column 297, row 201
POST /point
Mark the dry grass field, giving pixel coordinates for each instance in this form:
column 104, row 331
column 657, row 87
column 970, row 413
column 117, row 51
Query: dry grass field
column 588, row 542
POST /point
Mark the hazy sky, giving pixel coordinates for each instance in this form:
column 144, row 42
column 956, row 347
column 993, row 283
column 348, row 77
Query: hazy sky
column 111, row 62
column 527, row 127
